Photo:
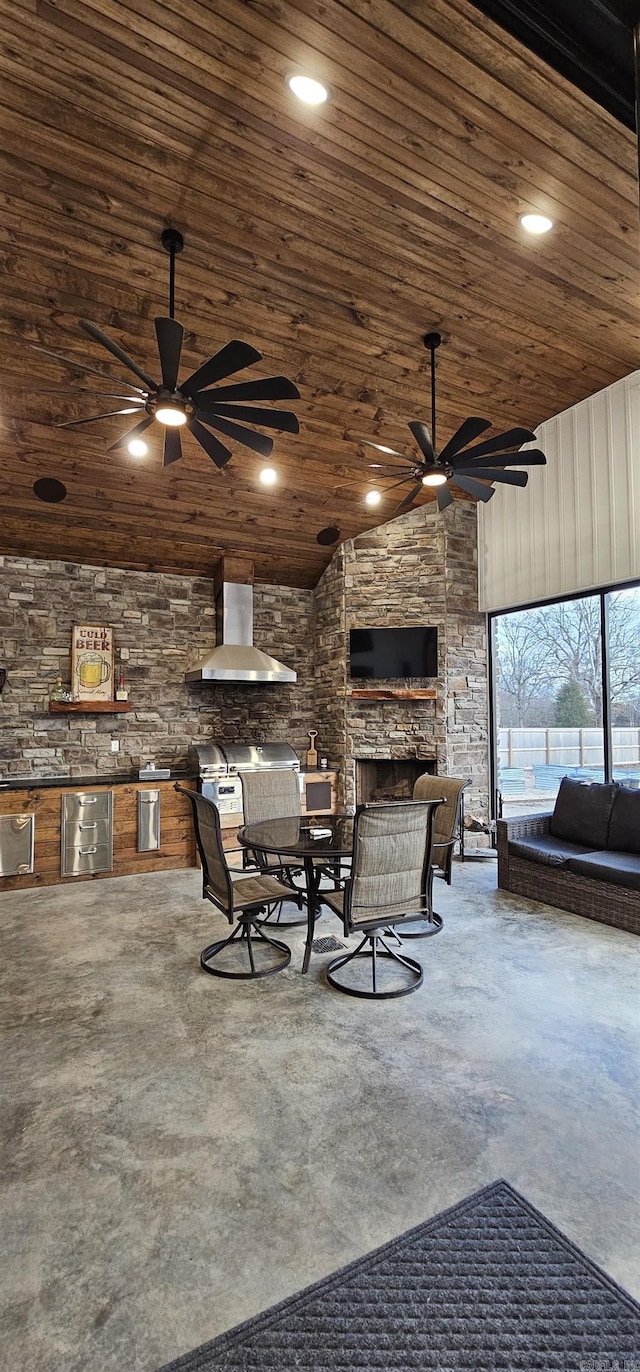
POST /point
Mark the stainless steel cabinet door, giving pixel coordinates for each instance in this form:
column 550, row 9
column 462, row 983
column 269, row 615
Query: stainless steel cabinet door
column 148, row 821
column 16, row 845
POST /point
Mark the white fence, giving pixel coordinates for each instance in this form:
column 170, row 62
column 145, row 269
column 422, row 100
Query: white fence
column 566, row 747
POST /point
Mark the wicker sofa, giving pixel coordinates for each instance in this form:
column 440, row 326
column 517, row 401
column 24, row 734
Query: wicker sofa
column 585, row 857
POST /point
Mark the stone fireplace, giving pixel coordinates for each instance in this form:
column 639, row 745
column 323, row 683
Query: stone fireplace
column 380, row 779
column 418, row 570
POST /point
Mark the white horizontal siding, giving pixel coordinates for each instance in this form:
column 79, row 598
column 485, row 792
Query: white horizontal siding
column 577, row 523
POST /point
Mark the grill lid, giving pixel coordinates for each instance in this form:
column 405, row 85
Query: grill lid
column 209, row 757
column 253, row 757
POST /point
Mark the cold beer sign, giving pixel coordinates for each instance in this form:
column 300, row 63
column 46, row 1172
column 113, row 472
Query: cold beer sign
column 92, row 662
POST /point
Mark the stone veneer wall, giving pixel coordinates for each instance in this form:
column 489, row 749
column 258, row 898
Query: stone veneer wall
column 162, row 625
column 420, row 569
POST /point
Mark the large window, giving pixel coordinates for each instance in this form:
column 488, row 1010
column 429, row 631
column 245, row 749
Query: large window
column 566, row 689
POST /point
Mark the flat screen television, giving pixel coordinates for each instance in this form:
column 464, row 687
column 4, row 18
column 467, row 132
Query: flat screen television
column 378, row 654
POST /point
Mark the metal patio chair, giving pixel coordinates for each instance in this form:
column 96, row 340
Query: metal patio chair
column 390, row 885
column 242, row 901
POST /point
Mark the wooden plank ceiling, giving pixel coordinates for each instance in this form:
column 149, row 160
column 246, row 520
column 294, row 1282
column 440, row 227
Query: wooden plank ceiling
column 331, row 239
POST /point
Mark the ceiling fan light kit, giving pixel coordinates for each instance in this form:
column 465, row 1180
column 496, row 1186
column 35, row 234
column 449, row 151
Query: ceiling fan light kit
column 462, row 462
column 198, row 403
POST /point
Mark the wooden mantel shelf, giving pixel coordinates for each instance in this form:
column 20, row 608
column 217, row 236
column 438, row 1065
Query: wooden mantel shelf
column 394, row 693
column 89, row 707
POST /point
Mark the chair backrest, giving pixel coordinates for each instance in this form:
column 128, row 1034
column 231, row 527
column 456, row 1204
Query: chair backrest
column 215, row 872
column 449, row 790
column 392, row 856
column 270, row 795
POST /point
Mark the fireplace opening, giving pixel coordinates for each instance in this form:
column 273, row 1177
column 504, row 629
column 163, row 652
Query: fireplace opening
column 387, row 779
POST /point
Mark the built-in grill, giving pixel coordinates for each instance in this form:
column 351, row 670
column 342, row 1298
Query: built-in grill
column 219, row 766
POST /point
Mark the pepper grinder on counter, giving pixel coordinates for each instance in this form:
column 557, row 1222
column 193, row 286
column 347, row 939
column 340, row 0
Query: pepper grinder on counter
column 312, row 752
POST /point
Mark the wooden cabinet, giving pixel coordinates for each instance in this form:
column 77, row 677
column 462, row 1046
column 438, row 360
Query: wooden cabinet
column 177, row 844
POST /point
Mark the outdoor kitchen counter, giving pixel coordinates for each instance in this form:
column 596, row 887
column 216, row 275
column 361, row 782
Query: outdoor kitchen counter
column 42, row 798
column 89, row 782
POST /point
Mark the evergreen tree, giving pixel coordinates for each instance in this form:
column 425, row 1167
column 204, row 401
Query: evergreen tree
column 571, row 710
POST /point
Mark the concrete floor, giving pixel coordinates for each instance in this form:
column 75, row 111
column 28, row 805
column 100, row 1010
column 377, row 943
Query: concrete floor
column 178, row 1152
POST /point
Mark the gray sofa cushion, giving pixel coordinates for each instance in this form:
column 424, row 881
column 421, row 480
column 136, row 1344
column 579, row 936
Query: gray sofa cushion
column 582, row 813
column 553, row 852
column 623, row 869
column 624, row 829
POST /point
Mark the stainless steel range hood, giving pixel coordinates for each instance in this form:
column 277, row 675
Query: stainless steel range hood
column 236, row 659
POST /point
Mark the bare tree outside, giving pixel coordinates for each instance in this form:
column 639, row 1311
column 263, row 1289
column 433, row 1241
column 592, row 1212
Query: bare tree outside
column 548, row 666
column 538, row 651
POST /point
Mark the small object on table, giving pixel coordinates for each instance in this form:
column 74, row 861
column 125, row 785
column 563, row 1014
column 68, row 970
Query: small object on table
column 324, row 762
column 312, row 753
column 151, row 771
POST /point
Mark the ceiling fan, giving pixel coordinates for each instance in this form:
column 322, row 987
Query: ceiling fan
column 468, row 467
column 191, row 403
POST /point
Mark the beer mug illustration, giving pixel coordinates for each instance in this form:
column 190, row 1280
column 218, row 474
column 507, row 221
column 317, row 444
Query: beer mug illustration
column 93, row 671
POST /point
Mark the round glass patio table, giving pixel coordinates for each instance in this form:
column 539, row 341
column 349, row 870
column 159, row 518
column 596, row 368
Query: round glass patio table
column 306, row 838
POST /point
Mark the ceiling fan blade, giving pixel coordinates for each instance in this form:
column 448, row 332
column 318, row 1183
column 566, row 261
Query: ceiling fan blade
column 381, row 448
column 470, row 429
column 423, row 439
column 232, row 358
column 408, row 500
column 212, row 445
column 116, row 351
column 394, row 484
column 169, row 334
column 93, row 418
column 139, row 429
column 258, row 443
column 513, row 438
column 284, row 420
column 443, row 497
column 269, row 388
column 474, row 488
column 531, row 457
column 495, row 474
column 383, row 470
column 81, row 366
column 172, row 447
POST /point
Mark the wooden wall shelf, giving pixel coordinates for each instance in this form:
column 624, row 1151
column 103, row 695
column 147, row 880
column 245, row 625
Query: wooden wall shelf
column 89, row 707
column 394, row 693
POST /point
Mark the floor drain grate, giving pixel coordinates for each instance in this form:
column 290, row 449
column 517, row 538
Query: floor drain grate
column 327, row 945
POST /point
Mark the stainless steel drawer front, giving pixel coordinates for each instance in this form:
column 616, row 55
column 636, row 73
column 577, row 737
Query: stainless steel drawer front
column 91, row 857
column 87, row 805
column 86, row 833
column 148, row 821
column 80, row 833
column 16, row 845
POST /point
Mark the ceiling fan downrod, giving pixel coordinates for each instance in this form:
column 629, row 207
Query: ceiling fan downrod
column 432, row 341
column 173, row 243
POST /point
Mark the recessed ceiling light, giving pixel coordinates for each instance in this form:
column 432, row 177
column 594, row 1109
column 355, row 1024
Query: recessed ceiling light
column 307, row 89
column 372, row 498
column 171, row 415
column 536, row 223
column 268, row 476
column 50, row 490
column 137, row 447
column 434, row 479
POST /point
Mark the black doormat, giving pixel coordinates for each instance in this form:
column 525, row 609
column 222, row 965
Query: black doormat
column 488, row 1284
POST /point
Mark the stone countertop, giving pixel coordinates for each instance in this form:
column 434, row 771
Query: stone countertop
column 80, row 783
column 317, row 771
